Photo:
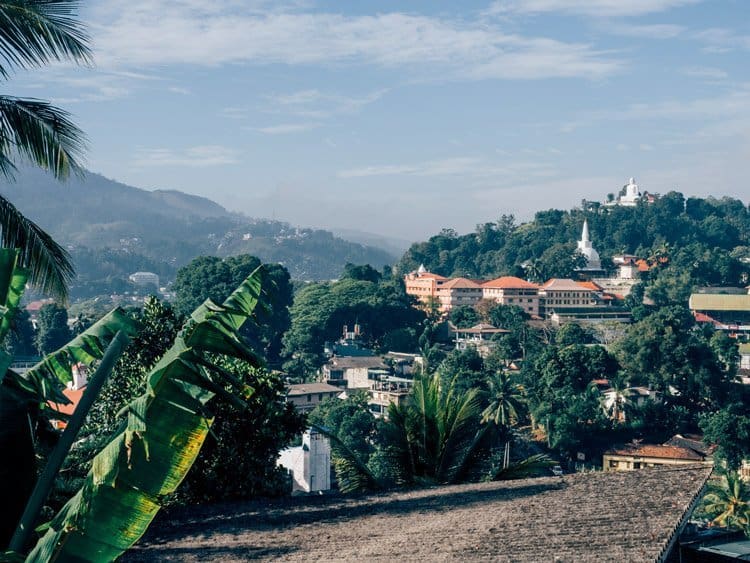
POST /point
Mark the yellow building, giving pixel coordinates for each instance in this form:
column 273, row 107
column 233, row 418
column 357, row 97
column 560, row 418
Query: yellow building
column 509, row 290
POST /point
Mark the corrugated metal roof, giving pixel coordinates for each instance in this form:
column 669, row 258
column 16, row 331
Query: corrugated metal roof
column 716, row 302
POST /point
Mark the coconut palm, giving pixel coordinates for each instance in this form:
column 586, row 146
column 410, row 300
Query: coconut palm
column 727, row 501
column 34, row 33
column 506, row 398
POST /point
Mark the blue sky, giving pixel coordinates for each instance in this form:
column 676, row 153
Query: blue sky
column 402, row 118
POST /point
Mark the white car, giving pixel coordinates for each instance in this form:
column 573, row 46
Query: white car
column 557, row 471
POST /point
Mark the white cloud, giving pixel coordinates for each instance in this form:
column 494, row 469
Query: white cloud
column 179, row 90
column 707, row 73
column 649, row 31
column 596, row 8
column 194, row 157
column 477, row 169
column 722, row 40
column 285, row 128
column 143, row 33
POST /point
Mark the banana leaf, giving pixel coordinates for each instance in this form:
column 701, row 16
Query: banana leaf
column 158, row 441
column 12, row 283
column 30, row 394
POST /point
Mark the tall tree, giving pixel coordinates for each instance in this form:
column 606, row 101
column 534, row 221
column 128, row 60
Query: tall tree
column 53, row 331
column 32, row 34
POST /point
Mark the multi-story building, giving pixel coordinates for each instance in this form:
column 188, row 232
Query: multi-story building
column 424, row 285
column 568, row 300
column 509, row 290
column 726, row 308
column 458, row 292
column 306, row 396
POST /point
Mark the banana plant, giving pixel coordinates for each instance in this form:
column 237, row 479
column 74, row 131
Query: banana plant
column 159, row 439
column 29, row 399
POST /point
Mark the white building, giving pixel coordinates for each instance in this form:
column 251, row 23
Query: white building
column 309, row 464
column 586, row 248
column 144, row 278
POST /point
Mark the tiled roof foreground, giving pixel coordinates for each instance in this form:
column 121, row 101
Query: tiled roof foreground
column 615, row 516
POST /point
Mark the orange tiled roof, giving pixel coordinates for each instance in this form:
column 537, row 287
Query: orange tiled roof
column 431, row 275
column 460, row 283
column 74, row 396
column 590, row 285
column 509, row 282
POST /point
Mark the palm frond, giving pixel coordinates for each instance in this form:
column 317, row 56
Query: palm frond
column 41, row 132
column 35, row 32
column 50, row 268
column 523, row 468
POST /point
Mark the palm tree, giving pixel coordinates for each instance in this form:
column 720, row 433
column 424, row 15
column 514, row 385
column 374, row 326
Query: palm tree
column 727, row 501
column 506, row 400
column 435, row 434
column 34, row 33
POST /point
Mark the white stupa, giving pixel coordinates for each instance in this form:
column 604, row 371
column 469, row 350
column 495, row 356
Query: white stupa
column 587, row 249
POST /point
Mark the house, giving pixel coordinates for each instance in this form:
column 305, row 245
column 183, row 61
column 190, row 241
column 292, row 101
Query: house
column 353, row 372
column 479, row 336
column 509, row 290
column 393, row 390
column 678, row 450
column 306, row 396
column 309, row 464
column 634, row 516
column 633, row 396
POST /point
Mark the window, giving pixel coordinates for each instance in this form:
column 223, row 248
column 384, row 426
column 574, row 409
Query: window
column 309, row 398
column 320, row 397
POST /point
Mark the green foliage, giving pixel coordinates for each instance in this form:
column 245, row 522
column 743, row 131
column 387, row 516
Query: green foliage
column 53, row 331
column 726, row 502
column 697, row 238
column 20, row 341
column 434, row 437
column 238, row 459
column 666, row 351
column 729, row 429
column 320, row 311
column 210, row 277
column 464, row 316
column 141, row 463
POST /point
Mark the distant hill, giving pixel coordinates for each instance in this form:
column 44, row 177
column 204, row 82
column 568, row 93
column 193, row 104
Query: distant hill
column 111, row 227
column 394, row 245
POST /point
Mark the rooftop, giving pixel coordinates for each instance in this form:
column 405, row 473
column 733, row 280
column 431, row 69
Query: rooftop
column 656, row 450
column 461, row 283
column 563, row 284
column 509, row 282
column 353, row 362
column 569, row 518
column 719, row 302
column 307, row 388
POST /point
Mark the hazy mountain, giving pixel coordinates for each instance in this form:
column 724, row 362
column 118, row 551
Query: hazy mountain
column 394, row 245
column 167, row 228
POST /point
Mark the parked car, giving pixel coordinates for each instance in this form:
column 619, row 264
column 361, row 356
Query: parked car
column 557, row 471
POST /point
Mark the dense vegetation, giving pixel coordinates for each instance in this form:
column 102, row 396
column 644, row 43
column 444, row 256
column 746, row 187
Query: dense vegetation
column 704, row 240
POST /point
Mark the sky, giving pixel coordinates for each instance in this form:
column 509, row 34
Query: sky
column 403, row 118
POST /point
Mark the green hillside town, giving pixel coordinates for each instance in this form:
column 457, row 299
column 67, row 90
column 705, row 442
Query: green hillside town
column 387, row 290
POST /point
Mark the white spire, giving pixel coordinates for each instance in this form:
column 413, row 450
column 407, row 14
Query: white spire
column 585, row 232
column 587, row 249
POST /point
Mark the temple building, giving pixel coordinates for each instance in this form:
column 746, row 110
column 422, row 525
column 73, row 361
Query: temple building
column 593, row 267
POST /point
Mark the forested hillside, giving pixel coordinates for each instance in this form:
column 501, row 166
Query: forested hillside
column 113, row 230
column 704, row 239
